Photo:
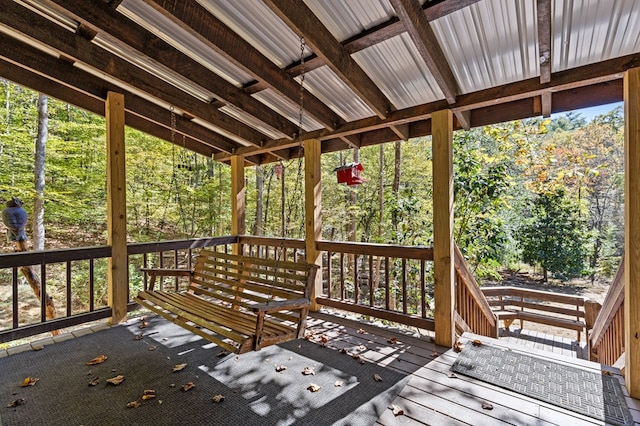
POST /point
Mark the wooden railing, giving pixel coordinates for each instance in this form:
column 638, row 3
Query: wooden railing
column 393, row 283
column 473, row 312
column 77, row 278
column 607, row 337
column 543, row 307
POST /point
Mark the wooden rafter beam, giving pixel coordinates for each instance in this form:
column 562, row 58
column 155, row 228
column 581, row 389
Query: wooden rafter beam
column 194, row 18
column 305, row 24
column 463, row 118
column 76, row 48
column 33, row 68
column 401, row 130
column 100, row 17
column 544, row 39
column 419, row 29
column 576, row 78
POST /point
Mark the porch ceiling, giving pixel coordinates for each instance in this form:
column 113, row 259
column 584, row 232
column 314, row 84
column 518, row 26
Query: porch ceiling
column 223, row 77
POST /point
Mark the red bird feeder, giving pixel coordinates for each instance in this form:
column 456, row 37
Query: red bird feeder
column 350, row 174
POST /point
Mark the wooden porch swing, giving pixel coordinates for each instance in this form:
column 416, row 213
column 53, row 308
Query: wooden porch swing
column 241, row 303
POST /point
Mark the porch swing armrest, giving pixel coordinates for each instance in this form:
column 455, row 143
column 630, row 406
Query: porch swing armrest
column 162, row 272
column 281, row 305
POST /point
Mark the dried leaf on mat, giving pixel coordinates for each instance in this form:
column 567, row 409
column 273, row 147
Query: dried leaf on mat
column 338, row 383
column 280, row 368
column 133, row 404
column 148, row 394
column 222, row 353
column 37, row 348
column 452, row 376
column 313, row 387
column 29, row 381
column 396, row 410
column 138, row 337
column 377, row 378
column 188, row 386
column 361, row 331
column 309, row 371
column 324, row 339
column 606, row 373
column 218, row 398
column 393, row 340
column 476, row 342
column 434, row 354
column 95, row 381
column 144, row 324
column 487, row 405
column 15, row 403
column 457, row 346
column 152, row 347
column 116, row 380
column 179, row 367
column 97, row 360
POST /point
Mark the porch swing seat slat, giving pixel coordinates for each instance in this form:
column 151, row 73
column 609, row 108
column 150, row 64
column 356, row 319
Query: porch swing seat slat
column 240, row 303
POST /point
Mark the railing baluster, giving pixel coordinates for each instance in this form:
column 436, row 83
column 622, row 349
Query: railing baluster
column 371, row 303
column 15, row 297
column 329, row 270
column 404, row 285
column 423, row 289
column 91, row 285
column 387, row 295
column 342, row 295
column 43, row 292
column 356, row 286
column 68, row 288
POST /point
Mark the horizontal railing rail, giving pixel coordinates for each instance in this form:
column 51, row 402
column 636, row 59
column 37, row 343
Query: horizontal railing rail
column 607, row 337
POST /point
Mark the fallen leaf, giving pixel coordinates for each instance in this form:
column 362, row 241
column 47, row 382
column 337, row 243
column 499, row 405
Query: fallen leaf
column 152, row 347
column 396, row 410
column 188, row 386
column 29, row 381
column 280, row 368
column 313, row 387
column 361, row 361
column 97, row 360
column 361, row 331
column 476, row 342
column 179, row 367
column 148, row 394
column 15, row 403
column 37, row 348
column 344, row 350
column 138, row 337
column 218, row 398
column 452, row 376
column 116, row 380
column 133, row 404
column 487, row 405
column 338, row 383
column 144, row 324
column 377, row 378
column 457, row 346
column 95, row 381
column 606, row 373
column 355, row 356
column 222, row 353
column 324, row 339
column 393, row 340
column 362, row 347
column 309, row 371
column 434, row 354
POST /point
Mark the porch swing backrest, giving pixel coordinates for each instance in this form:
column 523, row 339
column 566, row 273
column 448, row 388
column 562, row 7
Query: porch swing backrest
column 241, row 303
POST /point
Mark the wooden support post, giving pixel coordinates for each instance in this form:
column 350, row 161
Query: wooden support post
column 118, row 271
column 238, row 200
column 443, row 266
column 632, row 230
column 312, row 211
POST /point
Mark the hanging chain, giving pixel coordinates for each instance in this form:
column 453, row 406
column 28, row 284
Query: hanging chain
column 173, row 124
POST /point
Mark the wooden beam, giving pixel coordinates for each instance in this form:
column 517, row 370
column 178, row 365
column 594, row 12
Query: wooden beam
column 226, row 42
column 443, row 260
column 238, row 196
column 402, row 130
column 305, row 24
column 33, row 68
column 76, row 48
column 118, row 268
column 544, row 40
column 632, row 230
column 313, row 211
column 464, row 119
column 353, row 141
column 546, row 104
column 420, row 31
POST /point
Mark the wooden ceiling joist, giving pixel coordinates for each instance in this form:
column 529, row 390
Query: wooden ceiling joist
column 544, row 39
column 301, row 20
column 219, row 37
column 419, row 29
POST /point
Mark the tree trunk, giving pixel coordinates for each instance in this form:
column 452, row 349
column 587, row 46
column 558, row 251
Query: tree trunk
column 396, row 185
column 41, row 147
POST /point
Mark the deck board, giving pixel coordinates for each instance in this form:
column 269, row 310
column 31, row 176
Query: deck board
column 433, row 397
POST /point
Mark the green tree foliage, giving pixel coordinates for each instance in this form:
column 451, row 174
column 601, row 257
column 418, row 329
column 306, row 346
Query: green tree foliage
column 553, row 235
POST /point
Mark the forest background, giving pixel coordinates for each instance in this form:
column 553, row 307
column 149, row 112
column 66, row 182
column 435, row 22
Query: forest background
column 538, row 192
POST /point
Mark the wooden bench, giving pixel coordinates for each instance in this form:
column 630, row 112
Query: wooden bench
column 543, row 307
column 239, row 303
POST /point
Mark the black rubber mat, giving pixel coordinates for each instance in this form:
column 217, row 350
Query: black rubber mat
column 586, row 392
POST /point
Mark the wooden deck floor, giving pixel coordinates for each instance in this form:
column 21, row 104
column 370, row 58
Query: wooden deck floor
column 432, row 397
